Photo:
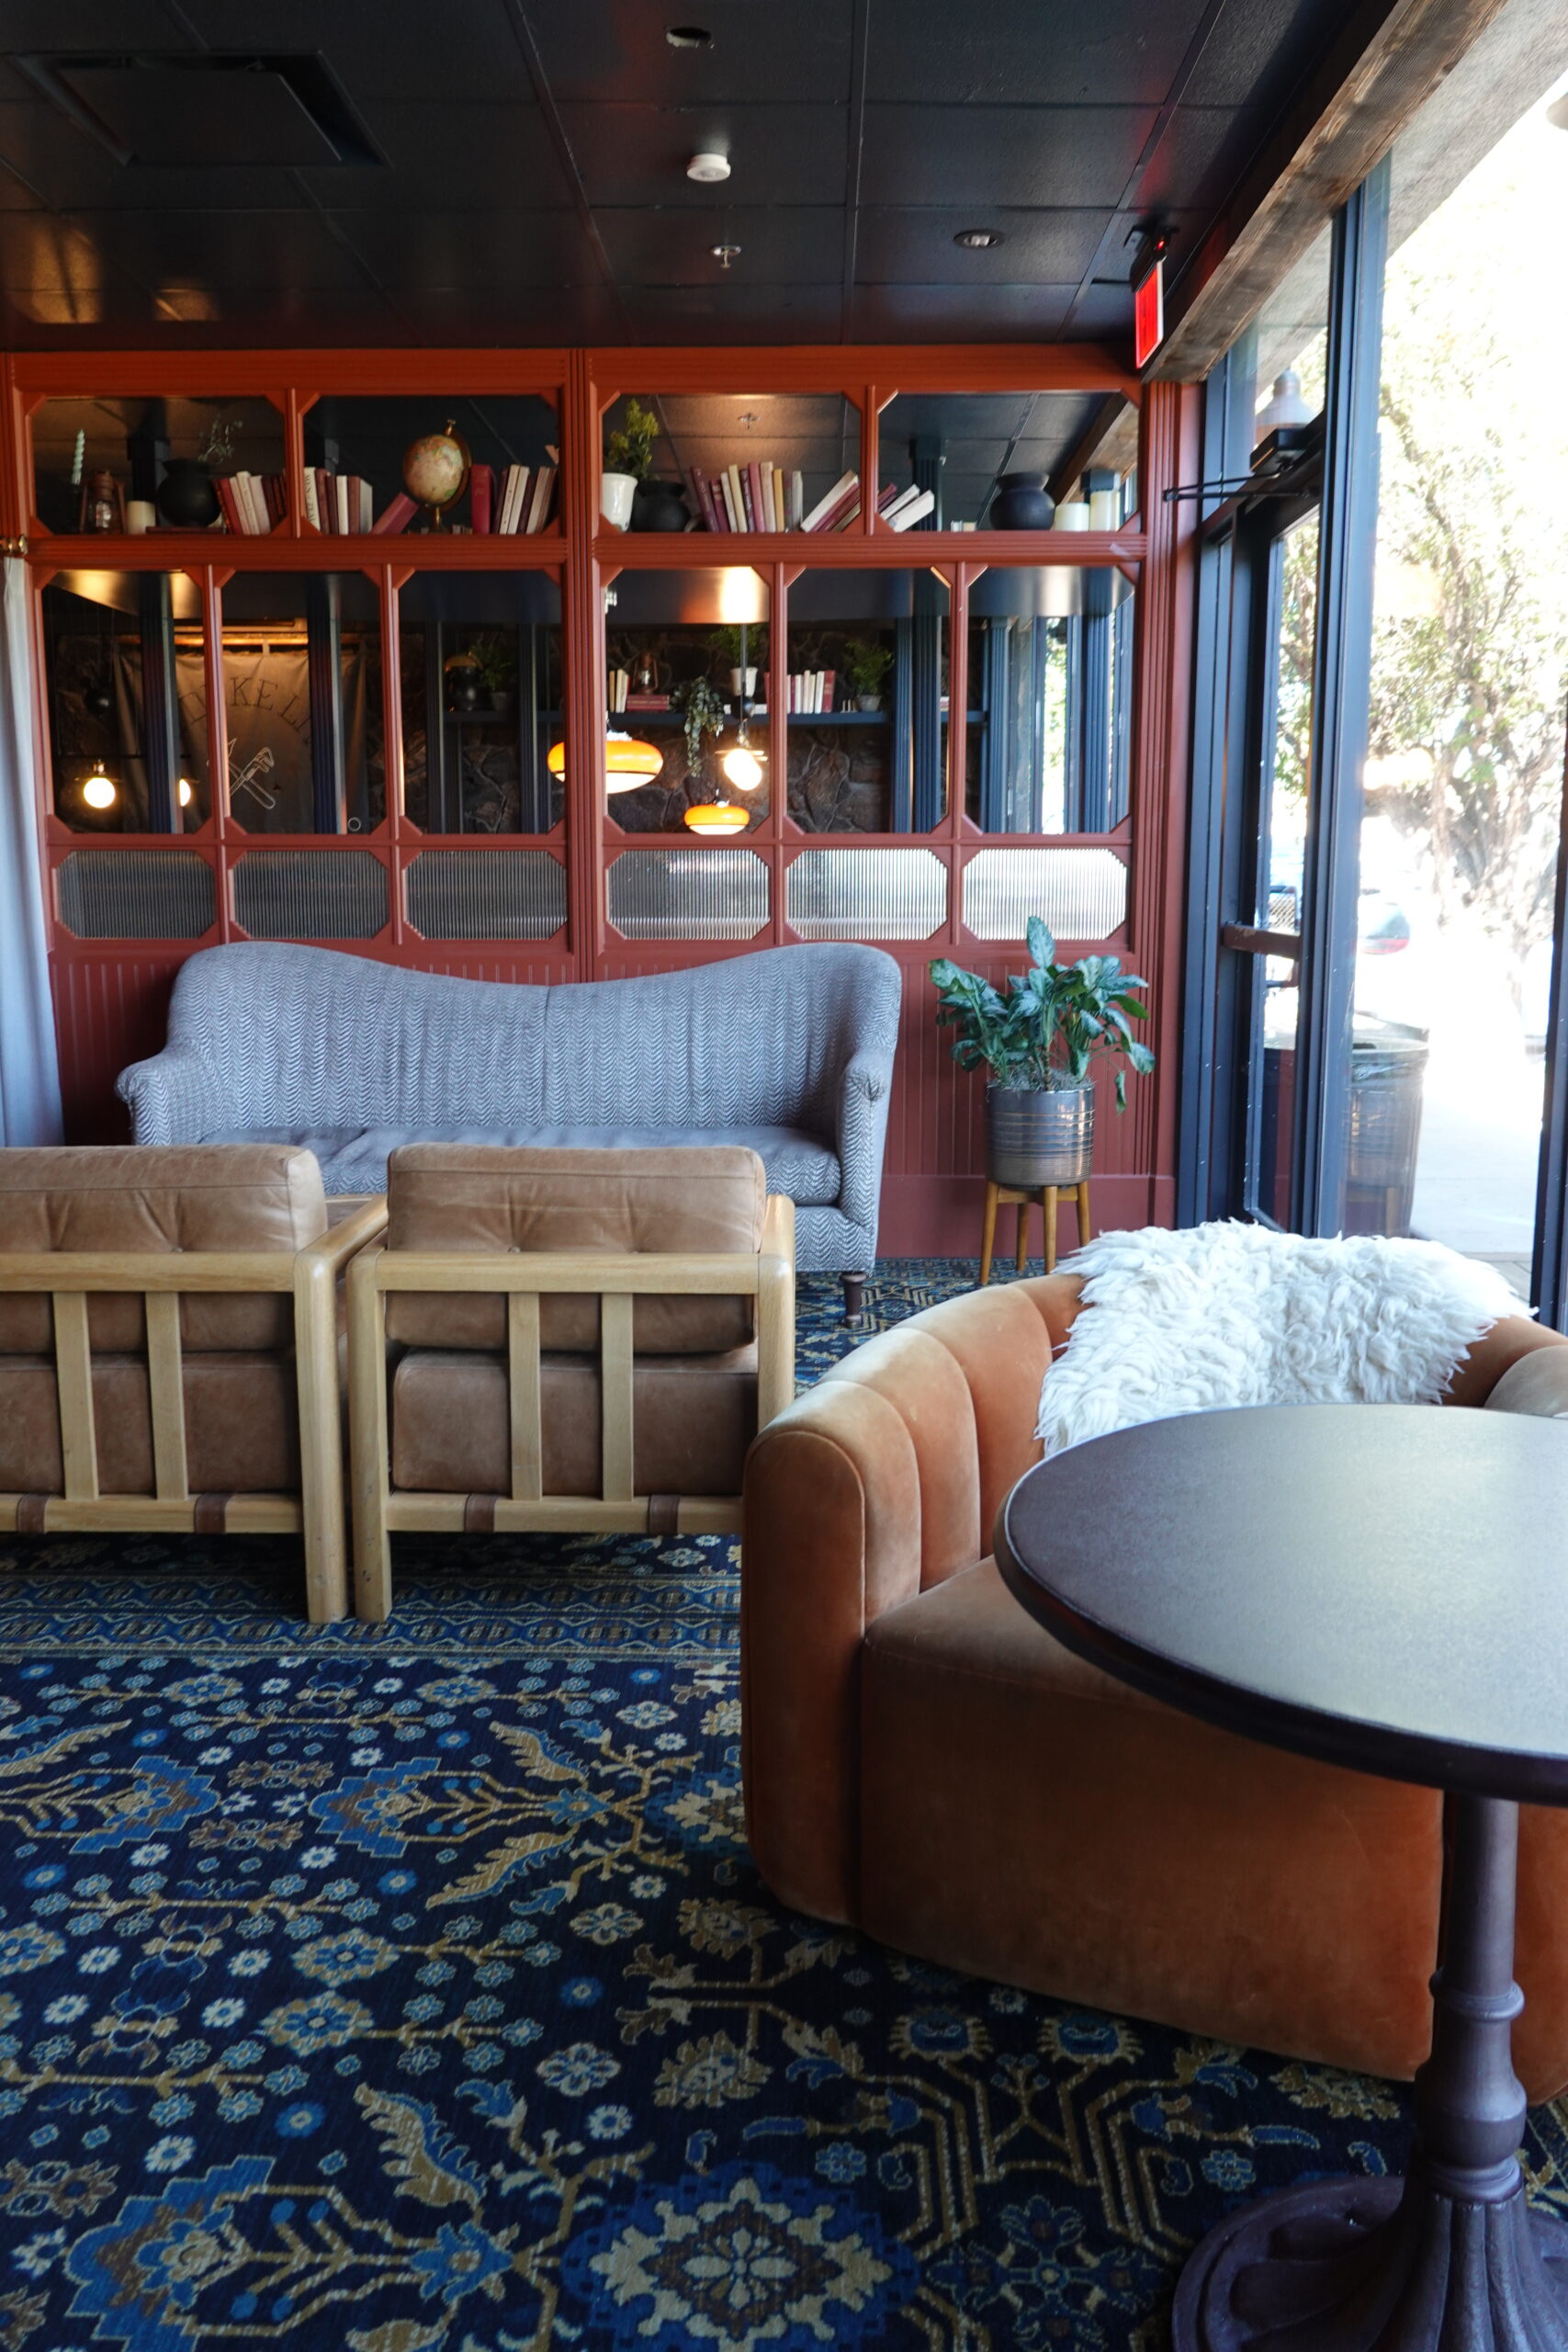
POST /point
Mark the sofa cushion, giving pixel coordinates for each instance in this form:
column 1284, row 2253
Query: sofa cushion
column 242, row 1426
column 156, row 1200
column 692, row 1418
column 476, row 1197
column 354, row 1159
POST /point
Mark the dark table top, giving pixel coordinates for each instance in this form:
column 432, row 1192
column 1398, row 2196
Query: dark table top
column 1383, row 1586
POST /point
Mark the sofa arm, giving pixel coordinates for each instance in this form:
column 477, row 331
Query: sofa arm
column 831, row 1537
column 864, row 1084
column 1536, row 1382
column 170, row 1097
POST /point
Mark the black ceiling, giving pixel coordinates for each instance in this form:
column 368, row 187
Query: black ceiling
column 513, row 170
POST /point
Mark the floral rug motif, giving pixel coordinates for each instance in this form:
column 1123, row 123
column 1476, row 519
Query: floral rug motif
column 409, row 1986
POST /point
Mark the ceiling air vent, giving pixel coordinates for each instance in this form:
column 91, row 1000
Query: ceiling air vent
column 196, row 108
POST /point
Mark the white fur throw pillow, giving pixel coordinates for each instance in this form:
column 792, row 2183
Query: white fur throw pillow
column 1232, row 1314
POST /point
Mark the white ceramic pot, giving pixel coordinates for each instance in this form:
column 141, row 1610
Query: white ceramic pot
column 868, row 702
column 746, row 686
column 615, row 494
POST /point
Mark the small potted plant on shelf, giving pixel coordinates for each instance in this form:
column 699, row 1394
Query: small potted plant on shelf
column 1037, row 1041
column 495, row 661
column 744, row 652
column 628, row 461
column 866, row 664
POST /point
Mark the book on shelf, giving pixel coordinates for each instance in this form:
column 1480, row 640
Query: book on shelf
column 811, row 691
column 910, row 507
column 826, row 514
column 619, row 685
column 482, row 494
column 398, row 515
column 756, row 496
column 523, row 500
column 251, row 504
column 646, row 702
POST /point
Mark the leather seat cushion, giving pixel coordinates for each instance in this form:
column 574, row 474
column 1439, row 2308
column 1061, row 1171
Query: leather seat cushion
column 153, row 1200
column 354, row 1159
column 242, row 1426
column 1023, row 1815
column 692, row 1418
column 496, row 1201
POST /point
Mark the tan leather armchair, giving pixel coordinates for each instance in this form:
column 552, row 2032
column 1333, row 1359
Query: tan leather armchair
column 925, row 1763
column 558, row 1339
column 168, row 1346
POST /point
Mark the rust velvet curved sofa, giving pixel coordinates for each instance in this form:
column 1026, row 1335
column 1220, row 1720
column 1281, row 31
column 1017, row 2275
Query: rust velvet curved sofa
column 924, row 1763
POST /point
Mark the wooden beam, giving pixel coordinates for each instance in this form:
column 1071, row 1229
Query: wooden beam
column 1375, row 78
column 1110, row 439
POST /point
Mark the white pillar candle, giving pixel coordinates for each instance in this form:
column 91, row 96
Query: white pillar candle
column 1073, row 516
column 140, row 514
column 1104, row 510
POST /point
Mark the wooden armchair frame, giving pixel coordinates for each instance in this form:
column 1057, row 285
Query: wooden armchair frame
column 311, row 1274
column 766, row 1274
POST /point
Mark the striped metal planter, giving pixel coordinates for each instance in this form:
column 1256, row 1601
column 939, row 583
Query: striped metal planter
column 1039, row 1137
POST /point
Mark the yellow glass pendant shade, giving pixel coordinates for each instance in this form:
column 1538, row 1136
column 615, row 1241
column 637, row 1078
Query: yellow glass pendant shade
column 628, row 761
column 716, row 817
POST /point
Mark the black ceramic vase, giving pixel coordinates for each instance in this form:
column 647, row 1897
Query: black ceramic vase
column 660, row 506
column 1021, row 504
column 186, row 496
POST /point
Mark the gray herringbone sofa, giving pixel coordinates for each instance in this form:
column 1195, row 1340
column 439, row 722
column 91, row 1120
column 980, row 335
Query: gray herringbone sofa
column 789, row 1051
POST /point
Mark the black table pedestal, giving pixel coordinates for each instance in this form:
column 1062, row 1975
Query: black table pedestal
column 1449, row 2259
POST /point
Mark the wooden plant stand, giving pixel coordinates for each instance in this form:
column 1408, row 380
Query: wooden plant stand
column 999, row 1195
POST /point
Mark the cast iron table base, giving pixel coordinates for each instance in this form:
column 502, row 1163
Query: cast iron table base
column 1450, row 2259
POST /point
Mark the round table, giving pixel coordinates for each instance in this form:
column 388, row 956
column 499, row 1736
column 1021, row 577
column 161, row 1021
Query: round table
column 1384, row 1586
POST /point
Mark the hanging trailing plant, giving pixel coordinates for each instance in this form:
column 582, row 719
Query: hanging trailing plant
column 701, row 706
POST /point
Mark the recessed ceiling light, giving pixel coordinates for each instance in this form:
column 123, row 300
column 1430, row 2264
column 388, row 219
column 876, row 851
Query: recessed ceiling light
column 708, row 167
column 688, row 36
column 977, row 240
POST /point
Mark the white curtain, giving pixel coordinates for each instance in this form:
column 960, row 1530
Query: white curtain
column 29, row 1073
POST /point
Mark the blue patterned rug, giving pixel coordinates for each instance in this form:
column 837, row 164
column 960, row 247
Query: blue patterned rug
column 409, row 1986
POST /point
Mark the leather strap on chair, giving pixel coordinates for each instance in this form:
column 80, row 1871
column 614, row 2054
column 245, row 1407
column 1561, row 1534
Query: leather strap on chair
column 30, row 1510
column 664, row 1514
column 479, row 1514
column 210, row 1515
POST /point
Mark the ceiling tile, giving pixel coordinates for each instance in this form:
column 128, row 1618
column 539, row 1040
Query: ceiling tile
column 521, row 315
column 1075, row 52
column 1053, row 156
column 958, row 313
column 239, row 250
column 913, row 244
column 735, row 313
column 473, row 249
column 603, row 49
column 1201, row 157
column 1255, row 55
column 384, row 49
column 673, row 245
column 72, row 172
column 449, row 156
column 637, row 155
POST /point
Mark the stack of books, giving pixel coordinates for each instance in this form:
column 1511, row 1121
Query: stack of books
column 811, row 690
column 341, row 501
column 764, row 497
column 252, row 504
column 909, row 507
column 519, row 501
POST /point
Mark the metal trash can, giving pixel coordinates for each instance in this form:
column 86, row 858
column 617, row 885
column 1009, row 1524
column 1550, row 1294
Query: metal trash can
column 1388, row 1067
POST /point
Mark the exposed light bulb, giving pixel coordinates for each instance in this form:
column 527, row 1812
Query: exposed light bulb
column 184, row 792
column 98, row 792
column 742, row 766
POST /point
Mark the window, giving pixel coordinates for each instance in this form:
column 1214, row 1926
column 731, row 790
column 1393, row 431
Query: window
column 480, row 670
column 126, row 701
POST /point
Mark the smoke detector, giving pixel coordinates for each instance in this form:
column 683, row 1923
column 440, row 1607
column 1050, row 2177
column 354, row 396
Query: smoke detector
column 708, row 168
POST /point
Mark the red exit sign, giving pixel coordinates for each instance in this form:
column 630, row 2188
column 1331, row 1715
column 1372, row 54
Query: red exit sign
column 1148, row 316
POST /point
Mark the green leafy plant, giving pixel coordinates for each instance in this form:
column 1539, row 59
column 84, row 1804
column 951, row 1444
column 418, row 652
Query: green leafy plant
column 701, row 707
column 866, row 664
column 494, row 656
column 727, row 643
column 629, row 449
column 1052, row 1024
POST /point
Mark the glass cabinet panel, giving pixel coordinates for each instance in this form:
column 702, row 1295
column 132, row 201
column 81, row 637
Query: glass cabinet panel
column 867, row 687
column 954, row 448
column 1049, row 700
column 109, row 464
column 416, row 463
column 687, row 654
column 479, row 665
column 127, row 683
column 302, row 702
column 731, row 461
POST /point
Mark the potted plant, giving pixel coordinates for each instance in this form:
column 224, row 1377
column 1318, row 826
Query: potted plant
column 1037, row 1044
column 495, row 659
column 744, row 652
column 701, row 706
column 628, row 462
column 866, row 664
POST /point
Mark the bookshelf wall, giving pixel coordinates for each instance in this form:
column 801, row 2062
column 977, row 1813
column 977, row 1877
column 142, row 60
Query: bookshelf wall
column 437, row 834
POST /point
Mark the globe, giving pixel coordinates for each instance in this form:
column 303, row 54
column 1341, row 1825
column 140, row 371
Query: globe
column 435, row 467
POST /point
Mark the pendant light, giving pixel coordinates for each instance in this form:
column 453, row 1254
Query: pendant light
column 100, row 791
column 741, row 763
column 628, row 760
column 716, row 817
